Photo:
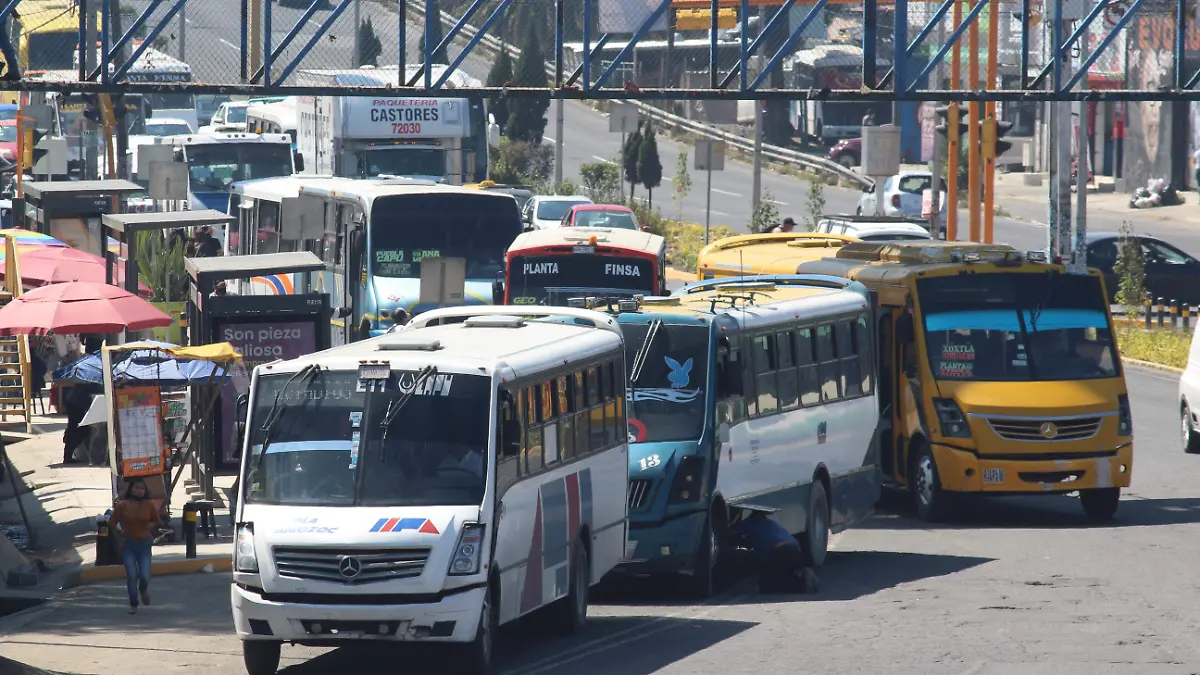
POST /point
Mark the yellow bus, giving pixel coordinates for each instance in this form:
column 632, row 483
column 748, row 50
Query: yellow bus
column 770, row 253
column 47, row 34
column 1000, row 370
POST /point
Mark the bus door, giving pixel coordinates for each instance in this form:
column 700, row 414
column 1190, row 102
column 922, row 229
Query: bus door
column 906, row 391
column 353, row 273
column 339, row 219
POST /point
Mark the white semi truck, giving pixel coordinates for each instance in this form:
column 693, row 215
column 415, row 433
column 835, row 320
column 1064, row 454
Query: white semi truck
column 444, row 139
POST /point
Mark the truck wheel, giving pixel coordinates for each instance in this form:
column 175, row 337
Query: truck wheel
column 261, row 657
column 477, row 659
column 815, row 542
column 569, row 614
column 1100, row 504
column 926, row 486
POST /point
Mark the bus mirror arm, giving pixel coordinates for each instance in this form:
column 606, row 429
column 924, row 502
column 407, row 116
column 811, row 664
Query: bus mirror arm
column 498, row 292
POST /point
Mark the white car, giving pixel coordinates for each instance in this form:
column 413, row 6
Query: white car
column 231, row 116
column 874, row 228
column 1189, row 399
column 546, row 211
column 902, row 195
column 167, row 126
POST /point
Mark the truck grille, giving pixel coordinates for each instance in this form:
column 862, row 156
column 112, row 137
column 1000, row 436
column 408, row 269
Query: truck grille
column 639, row 493
column 1046, row 430
column 339, row 565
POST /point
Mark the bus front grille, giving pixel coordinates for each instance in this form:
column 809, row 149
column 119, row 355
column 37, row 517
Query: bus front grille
column 350, row 565
column 1051, row 430
column 639, row 493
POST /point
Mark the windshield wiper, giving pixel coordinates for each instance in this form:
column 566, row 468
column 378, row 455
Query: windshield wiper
column 397, row 404
column 643, row 353
column 1037, row 311
column 269, row 427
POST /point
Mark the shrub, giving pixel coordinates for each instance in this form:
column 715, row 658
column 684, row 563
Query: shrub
column 602, row 182
column 521, row 162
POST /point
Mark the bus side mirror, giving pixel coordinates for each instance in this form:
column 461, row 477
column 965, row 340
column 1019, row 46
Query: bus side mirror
column 243, row 409
column 299, row 160
column 527, row 217
column 498, row 292
column 904, row 328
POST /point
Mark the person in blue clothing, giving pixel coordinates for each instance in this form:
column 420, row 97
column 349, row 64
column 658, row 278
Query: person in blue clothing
column 781, row 563
column 12, row 69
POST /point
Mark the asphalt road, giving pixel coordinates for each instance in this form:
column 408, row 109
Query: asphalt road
column 1018, row 586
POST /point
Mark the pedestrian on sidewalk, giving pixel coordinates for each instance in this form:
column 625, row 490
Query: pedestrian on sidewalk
column 137, row 517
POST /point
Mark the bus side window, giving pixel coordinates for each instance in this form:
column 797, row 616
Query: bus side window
column 566, row 418
column 593, row 416
column 765, row 367
column 862, row 337
column 827, row 368
column 268, row 227
column 614, row 378
column 789, row 383
column 522, row 413
column 847, row 349
column 550, row 426
column 810, row 384
column 533, row 433
column 508, row 448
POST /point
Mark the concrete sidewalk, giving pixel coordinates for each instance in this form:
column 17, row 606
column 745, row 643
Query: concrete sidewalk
column 1100, row 197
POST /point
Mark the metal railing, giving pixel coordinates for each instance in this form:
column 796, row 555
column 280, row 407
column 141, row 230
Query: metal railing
column 661, row 117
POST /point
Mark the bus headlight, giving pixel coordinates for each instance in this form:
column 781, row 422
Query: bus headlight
column 244, row 558
column 466, row 558
column 1124, row 416
column 950, row 417
column 686, row 487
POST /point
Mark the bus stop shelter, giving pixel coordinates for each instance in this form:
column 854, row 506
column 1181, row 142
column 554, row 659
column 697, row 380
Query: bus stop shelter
column 262, row 328
column 124, row 228
column 71, row 210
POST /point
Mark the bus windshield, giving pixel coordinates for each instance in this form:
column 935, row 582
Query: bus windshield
column 1017, row 327
column 407, row 228
column 170, row 101
column 536, row 278
column 214, row 166
column 328, row 446
column 51, row 50
column 667, row 401
column 402, row 162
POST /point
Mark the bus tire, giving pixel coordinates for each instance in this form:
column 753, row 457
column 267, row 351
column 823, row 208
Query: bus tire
column 1191, row 440
column 814, row 545
column 569, row 614
column 1100, row 504
column 700, row 584
column 932, row 502
column 477, row 659
column 261, row 657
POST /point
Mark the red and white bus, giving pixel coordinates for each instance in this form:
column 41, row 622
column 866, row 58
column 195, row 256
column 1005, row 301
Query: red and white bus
column 547, row 267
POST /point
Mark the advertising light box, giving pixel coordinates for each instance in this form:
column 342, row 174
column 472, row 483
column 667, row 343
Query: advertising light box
column 377, row 117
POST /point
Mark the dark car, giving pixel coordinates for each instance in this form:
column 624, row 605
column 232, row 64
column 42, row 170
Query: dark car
column 848, row 151
column 1171, row 274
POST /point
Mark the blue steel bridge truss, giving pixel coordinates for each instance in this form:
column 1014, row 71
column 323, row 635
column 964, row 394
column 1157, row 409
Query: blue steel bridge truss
column 896, row 43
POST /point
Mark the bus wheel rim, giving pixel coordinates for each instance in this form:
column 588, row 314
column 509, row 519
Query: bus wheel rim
column 925, row 480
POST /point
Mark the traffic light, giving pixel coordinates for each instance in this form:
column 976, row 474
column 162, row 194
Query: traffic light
column 91, row 108
column 992, row 132
column 943, row 127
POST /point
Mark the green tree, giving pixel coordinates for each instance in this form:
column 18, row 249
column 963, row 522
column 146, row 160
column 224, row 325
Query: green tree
column 436, row 34
column 527, row 114
column 1130, row 270
column 629, row 159
column 766, row 215
column 649, row 166
column 500, row 75
column 369, row 46
column 815, row 204
column 682, row 182
column 160, row 266
column 601, row 181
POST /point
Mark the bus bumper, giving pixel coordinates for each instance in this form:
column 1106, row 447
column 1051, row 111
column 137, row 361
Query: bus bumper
column 664, row 547
column 454, row 618
column 962, row 471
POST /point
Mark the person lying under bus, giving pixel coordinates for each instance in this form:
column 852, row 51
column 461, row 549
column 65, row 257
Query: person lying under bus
column 781, row 567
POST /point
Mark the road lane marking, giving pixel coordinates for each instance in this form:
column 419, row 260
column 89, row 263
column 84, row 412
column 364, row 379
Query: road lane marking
column 227, row 43
column 606, row 161
column 775, row 202
column 718, row 213
column 723, row 192
column 547, row 138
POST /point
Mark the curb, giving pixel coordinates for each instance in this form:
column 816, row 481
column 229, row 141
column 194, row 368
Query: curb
column 220, row 563
column 1151, row 365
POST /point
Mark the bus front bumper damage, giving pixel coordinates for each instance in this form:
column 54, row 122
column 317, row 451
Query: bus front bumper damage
column 452, row 618
column 964, row 471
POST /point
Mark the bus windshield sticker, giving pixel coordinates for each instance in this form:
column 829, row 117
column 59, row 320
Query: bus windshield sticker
column 680, row 375
column 389, row 256
column 418, row 256
column 540, row 268
column 525, row 300
column 356, row 419
column 662, row 394
column 957, row 361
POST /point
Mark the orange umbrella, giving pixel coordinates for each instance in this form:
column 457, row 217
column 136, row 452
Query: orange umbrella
column 80, row 308
column 58, row 265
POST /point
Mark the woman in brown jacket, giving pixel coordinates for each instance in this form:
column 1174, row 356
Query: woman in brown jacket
column 137, row 516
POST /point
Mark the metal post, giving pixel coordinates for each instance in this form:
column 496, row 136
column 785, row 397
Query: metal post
column 189, row 530
column 356, row 57
column 993, row 82
column 1061, row 139
column 256, row 31
column 558, row 142
column 1078, row 264
column 708, row 197
column 267, row 30
column 244, row 39
column 900, row 60
column 402, row 38
column 758, row 139
column 182, row 32
column 953, row 141
column 974, row 198
column 935, row 224
column 91, row 154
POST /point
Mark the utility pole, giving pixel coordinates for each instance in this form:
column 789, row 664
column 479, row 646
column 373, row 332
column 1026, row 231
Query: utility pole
column 182, row 32
column 989, row 157
column 935, row 224
column 356, row 57
column 122, row 128
column 256, row 31
column 1060, row 140
column 87, row 132
column 558, row 142
column 974, row 198
column 1078, row 261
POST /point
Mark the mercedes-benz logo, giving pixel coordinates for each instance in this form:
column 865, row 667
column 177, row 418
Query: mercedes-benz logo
column 349, row 567
column 1049, row 431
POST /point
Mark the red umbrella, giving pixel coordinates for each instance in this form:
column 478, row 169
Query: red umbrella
column 57, row 265
column 79, row 308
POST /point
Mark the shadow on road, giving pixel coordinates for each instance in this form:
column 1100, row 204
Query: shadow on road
column 606, row 640
column 1038, row 512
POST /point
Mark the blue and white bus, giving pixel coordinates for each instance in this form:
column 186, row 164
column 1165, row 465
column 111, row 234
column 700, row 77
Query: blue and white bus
column 218, row 160
column 748, row 394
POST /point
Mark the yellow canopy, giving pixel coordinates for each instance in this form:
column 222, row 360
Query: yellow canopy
column 220, row 352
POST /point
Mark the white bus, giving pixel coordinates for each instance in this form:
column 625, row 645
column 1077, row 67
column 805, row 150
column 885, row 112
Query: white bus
column 218, row 160
column 431, row 484
column 748, row 395
column 273, row 116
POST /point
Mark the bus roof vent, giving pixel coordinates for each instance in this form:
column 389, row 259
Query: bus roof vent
column 495, row 321
column 401, row 342
column 662, row 300
column 832, row 241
